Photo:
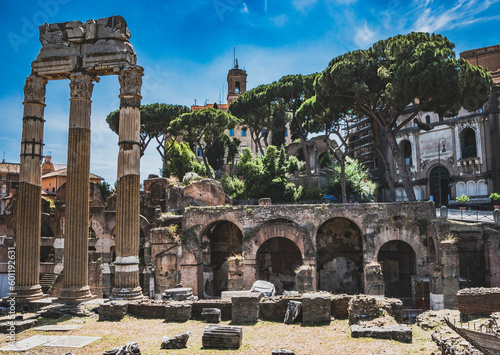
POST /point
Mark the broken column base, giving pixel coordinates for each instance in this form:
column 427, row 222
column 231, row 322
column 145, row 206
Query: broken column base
column 436, row 302
column 398, row 332
column 28, row 293
column 127, row 293
column 75, row 295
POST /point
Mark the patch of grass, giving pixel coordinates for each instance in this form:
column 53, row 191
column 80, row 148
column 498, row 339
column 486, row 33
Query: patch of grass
column 261, row 338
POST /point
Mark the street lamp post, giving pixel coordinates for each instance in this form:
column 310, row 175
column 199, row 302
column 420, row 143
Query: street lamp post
column 442, row 139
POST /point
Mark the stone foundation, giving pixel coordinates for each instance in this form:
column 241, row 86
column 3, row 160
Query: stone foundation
column 114, row 311
column 224, row 306
column 245, row 308
column 478, row 302
column 177, row 312
column 340, row 306
column 399, row 332
column 316, row 308
column 147, row 310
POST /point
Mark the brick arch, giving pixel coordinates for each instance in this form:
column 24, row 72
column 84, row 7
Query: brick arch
column 210, row 223
column 409, row 236
column 357, row 221
column 268, row 231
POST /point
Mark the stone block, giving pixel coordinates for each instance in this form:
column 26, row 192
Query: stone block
column 245, row 308
column 274, row 308
column 363, row 308
column 228, row 295
column 177, row 342
column 316, row 308
column 304, row 279
column 293, row 311
column 17, row 326
column 131, row 348
column 211, row 315
column 265, row 201
column 225, row 307
column 222, row 336
column 113, row 311
column 178, row 294
column 264, row 287
column 147, row 310
column 340, row 306
column 177, row 312
column 398, row 332
column 282, row 352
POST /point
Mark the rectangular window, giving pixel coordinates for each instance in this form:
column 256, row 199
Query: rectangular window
column 286, row 132
column 198, row 152
column 243, row 132
column 231, row 132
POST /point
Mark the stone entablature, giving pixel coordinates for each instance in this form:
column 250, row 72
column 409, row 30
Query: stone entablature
column 96, row 46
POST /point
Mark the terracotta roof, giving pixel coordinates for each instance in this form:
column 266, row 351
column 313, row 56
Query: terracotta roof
column 63, row 172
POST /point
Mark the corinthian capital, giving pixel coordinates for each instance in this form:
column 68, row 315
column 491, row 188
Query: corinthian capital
column 81, row 86
column 34, row 89
column 131, row 80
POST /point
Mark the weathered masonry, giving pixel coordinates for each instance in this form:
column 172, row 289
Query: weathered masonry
column 80, row 52
column 376, row 249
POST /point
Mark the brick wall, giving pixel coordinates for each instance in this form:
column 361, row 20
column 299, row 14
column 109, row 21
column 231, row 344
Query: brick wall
column 474, row 302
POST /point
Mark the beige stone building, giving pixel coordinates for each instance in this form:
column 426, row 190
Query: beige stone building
column 9, row 179
column 458, row 156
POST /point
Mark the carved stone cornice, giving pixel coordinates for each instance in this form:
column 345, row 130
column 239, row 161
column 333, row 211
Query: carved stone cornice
column 34, row 89
column 81, row 86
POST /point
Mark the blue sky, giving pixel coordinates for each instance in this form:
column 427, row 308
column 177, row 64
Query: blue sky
column 186, row 49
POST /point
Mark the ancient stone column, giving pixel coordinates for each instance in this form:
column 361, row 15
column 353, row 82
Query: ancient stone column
column 76, row 231
column 126, row 285
column 29, row 192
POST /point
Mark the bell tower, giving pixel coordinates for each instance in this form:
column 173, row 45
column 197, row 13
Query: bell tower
column 236, row 82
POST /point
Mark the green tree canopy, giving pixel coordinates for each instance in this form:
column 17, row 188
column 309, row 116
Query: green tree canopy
column 262, row 177
column 155, row 120
column 291, row 91
column 204, row 128
column 181, row 160
column 417, row 69
column 359, row 187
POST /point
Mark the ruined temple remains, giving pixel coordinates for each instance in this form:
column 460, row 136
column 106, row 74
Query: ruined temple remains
column 80, row 52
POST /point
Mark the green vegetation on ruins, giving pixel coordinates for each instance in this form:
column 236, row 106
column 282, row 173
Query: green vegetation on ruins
column 390, row 83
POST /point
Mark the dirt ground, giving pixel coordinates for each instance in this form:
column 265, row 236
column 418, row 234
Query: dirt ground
column 261, row 338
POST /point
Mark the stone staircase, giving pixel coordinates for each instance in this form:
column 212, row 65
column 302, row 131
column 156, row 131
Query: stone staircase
column 47, row 281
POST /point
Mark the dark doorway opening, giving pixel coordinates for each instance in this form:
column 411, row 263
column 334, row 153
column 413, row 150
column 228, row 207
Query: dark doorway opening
column 277, row 260
column 398, row 262
column 439, row 180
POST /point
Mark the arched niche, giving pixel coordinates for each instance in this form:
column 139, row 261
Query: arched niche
column 398, row 261
column 277, row 259
column 340, row 256
column 220, row 240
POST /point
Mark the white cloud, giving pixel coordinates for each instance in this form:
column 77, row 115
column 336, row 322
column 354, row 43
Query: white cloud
column 244, row 9
column 279, row 21
column 435, row 18
column 303, row 5
column 364, row 36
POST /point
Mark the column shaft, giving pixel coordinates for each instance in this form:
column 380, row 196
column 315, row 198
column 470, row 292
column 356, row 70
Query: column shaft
column 28, row 212
column 76, row 233
column 126, row 284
